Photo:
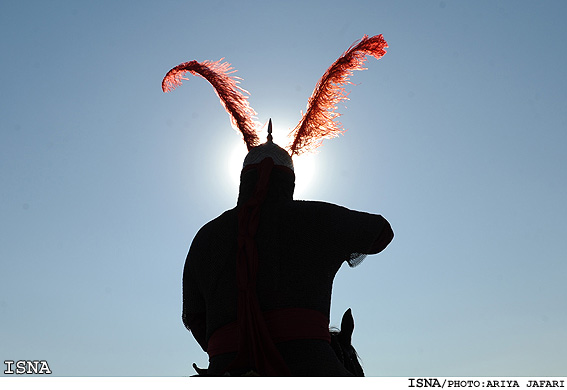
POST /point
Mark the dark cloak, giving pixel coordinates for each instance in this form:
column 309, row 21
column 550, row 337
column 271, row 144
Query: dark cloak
column 301, row 246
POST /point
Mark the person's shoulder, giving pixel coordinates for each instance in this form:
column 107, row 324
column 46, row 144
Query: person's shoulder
column 218, row 223
column 317, row 212
column 224, row 217
column 320, row 209
column 317, row 206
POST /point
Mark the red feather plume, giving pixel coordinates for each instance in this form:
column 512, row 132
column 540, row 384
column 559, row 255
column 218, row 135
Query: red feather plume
column 232, row 97
column 318, row 122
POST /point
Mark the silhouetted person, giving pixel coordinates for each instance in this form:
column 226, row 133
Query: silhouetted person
column 257, row 280
column 300, row 247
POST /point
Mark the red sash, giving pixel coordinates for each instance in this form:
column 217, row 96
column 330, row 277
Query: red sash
column 283, row 325
column 256, row 349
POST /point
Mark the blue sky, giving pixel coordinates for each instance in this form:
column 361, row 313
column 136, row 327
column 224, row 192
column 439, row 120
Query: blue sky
column 457, row 136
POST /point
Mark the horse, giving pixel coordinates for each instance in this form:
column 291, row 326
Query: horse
column 341, row 340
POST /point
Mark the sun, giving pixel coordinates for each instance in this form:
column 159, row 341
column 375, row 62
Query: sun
column 304, row 165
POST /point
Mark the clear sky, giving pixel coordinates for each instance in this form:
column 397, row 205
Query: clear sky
column 457, row 136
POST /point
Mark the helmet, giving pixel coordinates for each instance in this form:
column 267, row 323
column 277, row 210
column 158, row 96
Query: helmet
column 269, row 149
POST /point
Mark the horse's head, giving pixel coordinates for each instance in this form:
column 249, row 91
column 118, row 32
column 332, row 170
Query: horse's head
column 341, row 341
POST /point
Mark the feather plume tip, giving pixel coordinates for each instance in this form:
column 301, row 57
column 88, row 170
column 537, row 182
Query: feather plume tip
column 319, row 121
column 232, row 97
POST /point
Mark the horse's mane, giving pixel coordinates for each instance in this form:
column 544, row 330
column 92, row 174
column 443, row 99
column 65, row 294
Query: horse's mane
column 346, row 353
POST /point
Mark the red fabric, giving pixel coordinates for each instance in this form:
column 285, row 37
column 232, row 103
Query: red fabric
column 232, row 97
column 283, row 325
column 256, row 348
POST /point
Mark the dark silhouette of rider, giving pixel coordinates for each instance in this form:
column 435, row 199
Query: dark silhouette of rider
column 257, row 280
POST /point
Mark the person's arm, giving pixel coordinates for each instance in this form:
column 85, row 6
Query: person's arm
column 355, row 234
column 194, row 309
column 196, row 323
column 384, row 238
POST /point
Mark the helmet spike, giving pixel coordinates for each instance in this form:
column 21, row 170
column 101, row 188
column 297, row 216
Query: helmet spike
column 270, row 138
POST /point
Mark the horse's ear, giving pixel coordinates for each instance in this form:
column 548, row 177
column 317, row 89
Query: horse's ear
column 347, row 327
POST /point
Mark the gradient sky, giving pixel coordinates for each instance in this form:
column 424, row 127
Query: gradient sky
column 457, row 136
